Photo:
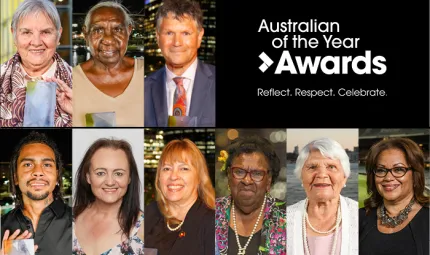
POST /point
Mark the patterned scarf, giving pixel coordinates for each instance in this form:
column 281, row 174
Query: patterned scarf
column 13, row 92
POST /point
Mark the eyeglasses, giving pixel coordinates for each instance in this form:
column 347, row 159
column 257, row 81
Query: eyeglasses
column 256, row 175
column 395, row 171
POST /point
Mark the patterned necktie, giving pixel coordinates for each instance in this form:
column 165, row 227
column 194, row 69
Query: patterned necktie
column 180, row 98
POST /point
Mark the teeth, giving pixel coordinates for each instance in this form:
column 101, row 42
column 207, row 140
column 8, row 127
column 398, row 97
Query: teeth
column 36, row 50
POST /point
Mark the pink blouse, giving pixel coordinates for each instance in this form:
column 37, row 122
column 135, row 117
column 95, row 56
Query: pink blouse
column 321, row 245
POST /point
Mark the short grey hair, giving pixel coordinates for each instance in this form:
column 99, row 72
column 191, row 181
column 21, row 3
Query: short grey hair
column 329, row 148
column 29, row 7
column 112, row 4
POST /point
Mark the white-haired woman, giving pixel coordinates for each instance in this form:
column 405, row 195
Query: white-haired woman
column 109, row 81
column 325, row 222
column 36, row 29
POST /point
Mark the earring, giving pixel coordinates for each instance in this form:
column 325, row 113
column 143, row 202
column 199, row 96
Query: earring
column 302, row 184
column 228, row 187
column 344, row 185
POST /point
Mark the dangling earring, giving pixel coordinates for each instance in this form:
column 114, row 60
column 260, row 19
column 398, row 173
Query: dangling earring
column 344, row 185
column 302, row 184
column 228, row 187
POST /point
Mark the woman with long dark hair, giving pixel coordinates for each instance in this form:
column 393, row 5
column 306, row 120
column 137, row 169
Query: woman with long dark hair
column 396, row 213
column 107, row 214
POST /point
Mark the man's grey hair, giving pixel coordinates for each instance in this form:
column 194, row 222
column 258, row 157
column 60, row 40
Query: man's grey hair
column 31, row 7
column 112, row 4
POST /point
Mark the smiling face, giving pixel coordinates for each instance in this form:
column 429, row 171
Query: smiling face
column 323, row 178
column 109, row 175
column 179, row 181
column 36, row 173
column 36, row 41
column 107, row 35
column 389, row 187
column 248, row 195
column 179, row 41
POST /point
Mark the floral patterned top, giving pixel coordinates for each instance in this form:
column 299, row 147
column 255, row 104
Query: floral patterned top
column 132, row 246
column 273, row 234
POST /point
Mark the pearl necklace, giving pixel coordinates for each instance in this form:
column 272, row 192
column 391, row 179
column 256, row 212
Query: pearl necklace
column 242, row 250
column 174, row 229
column 323, row 232
column 305, row 241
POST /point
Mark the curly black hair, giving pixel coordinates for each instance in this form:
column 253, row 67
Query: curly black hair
column 251, row 144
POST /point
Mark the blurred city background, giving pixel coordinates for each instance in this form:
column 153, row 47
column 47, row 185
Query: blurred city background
column 135, row 44
column 154, row 142
column 278, row 139
column 370, row 136
column 154, row 59
column 298, row 138
column 10, row 138
column 7, row 9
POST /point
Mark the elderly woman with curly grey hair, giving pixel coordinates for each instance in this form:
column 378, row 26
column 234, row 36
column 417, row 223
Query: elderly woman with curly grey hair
column 250, row 220
column 36, row 27
column 325, row 222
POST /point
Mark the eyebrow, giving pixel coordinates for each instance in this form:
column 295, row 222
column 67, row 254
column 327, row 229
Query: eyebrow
column 33, row 160
column 400, row 163
column 105, row 169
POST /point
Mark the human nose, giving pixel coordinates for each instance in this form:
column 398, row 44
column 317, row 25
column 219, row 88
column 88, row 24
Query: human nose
column 389, row 176
column 177, row 40
column 36, row 40
column 247, row 179
column 174, row 174
column 110, row 180
column 107, row 37
column 322, row 172
column 38, row 170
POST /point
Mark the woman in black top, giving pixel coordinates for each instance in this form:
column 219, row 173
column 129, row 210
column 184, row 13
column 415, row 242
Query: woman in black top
column 395, row 219
column 182, row 219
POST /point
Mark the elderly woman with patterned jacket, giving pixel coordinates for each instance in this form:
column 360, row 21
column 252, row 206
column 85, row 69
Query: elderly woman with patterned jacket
column 36, row 28
column 250, row 221
column 325, row 222
column 397, row 212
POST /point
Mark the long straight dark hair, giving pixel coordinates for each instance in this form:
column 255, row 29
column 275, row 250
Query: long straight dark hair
column 130, row 205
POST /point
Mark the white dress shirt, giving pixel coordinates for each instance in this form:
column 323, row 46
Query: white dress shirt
column 189, row 77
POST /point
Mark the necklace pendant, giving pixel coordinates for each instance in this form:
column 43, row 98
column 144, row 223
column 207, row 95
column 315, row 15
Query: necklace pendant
column 241, row 251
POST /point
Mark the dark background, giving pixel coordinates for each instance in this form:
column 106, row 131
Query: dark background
column 135, row 7
column 9, row 140
column 399, row 32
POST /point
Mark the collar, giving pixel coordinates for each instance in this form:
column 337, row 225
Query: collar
column 189, row 74
column 57, row 207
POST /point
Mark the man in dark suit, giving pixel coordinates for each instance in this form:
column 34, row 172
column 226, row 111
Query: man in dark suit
column 185, row 86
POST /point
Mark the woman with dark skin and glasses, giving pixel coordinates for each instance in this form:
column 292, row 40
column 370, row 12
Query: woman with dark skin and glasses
column 396, row 214
column 250, row 221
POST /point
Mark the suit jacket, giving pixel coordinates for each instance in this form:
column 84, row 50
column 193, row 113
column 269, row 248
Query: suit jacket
column 198, row 231
column 349, row 211
column 202, row 99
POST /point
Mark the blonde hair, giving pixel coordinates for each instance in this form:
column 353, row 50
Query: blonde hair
column 185, row 150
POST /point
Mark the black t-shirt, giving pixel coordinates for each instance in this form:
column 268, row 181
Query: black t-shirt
column 399, row 243
column 252, row 248
column 54, row 229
